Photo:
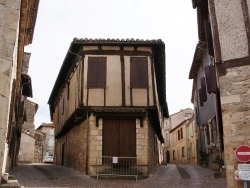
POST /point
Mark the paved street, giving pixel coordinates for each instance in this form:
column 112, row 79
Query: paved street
column 171, row 175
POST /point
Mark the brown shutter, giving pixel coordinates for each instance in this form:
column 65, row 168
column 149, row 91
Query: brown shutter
column 210, row 79
column 204, row 90
column 209, row 38
column 92, row 73
column 97, row 71
column 201, row 97
column 101, row 72
column 134, row 76
column 143, row 72
column 139, row 72
column 213, row 79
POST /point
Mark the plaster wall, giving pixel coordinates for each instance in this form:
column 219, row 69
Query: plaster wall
column 231, row 27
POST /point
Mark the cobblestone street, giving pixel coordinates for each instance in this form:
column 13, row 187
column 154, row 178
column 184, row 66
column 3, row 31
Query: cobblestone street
column 171, row 175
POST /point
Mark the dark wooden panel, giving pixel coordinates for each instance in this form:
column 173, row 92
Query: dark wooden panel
column 127, row 138
column 119, row 137
column 110, row 137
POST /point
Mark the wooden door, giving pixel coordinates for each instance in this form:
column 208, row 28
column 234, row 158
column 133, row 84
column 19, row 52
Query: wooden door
column 119, row 137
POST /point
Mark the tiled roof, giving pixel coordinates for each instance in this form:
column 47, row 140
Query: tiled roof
column 132, row 40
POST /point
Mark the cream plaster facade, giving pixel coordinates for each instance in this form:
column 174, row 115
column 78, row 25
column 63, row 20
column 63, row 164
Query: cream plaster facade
column 79, row 111
column 180, row 141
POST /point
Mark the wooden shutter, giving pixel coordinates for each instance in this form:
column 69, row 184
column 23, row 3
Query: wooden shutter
column 92, row 72
column 139, row 72
column 97, row 70
column 101, row 72
column 201, row 97
column 204, row 90
column 134, row 74
column 143, row 65
column 210, row 79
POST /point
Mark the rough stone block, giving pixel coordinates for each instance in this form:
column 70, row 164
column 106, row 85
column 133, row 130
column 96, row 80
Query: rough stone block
column 9, row 17
column 4, row 86
column 6, row 50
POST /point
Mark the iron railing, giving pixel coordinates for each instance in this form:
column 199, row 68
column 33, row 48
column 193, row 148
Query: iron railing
column 116, row 166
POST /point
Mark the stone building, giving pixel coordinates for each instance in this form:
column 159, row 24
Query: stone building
column 180, row 138
column 109, row 99
column 48, row 139
column 221, row 74
column 27, row 143
column 17, row 22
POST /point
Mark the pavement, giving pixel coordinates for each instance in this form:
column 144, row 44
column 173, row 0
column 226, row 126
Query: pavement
column 171, row 175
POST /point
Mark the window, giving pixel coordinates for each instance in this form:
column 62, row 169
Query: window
column 182, row 152
column 180, row 134
column 174, row 155
column 138, row 72
column 97, row 71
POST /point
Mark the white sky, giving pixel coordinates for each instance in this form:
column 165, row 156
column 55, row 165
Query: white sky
column 59, row 21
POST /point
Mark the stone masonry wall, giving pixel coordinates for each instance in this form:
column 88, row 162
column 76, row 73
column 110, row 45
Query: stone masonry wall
column 9, row 19
column 147, row 158
column 235, row 101
column 75, row 148
column 153, row 150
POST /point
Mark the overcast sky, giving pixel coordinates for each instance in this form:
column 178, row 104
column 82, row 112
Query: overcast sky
column 59, row 21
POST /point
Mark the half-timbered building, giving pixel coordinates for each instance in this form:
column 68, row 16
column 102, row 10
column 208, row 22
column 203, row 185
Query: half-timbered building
column 109, row 99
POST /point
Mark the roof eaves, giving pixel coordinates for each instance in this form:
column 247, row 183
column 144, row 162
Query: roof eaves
column 197, row 59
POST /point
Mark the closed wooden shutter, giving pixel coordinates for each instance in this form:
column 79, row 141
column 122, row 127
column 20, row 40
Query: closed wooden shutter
column 139, row 72
column 204, row 90
column 210, row 79
column 97, row 71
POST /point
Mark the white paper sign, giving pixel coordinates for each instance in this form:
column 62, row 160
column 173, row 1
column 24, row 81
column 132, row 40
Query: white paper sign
column 242, row 175
column 244, row 167
column 115, row 159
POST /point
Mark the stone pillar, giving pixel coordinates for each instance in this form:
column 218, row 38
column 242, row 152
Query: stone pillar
column 235, row 103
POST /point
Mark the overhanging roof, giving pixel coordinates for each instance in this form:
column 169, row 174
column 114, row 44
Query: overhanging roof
column 197, row 59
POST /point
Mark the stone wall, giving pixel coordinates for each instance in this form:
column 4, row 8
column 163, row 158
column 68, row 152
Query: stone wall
column 235, row 101
column 75, row 148
column 27, row 147
column 38, row 153
column 153, row 149
column 9, row 19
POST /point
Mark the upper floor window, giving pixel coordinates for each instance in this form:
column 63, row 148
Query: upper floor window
column 139, row 72
column 97, row 71
column 180, row 134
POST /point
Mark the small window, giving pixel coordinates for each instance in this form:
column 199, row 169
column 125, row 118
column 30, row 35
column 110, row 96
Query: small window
column 139, row 72
column 97, row 71
column 183, row 152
